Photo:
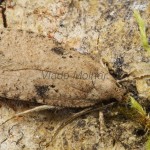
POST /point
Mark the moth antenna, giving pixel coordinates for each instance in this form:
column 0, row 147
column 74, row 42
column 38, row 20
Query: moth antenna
column 36, row 109
column 68, row 120
column 74, row 116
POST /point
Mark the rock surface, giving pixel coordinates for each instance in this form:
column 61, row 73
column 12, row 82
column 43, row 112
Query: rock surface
column 106, row 30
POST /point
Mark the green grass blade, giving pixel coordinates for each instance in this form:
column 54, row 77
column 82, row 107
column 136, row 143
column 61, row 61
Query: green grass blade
column 142, row 29
column 147, row 145
column 135, row 105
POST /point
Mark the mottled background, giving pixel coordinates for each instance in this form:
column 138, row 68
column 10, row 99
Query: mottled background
column 106, row 30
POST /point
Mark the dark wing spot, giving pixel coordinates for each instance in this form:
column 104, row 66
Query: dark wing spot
column 53, row 86
column 58, row 50
column 41, row 90
column 56, row 91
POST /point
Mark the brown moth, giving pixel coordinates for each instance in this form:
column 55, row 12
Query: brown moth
column 34, row 68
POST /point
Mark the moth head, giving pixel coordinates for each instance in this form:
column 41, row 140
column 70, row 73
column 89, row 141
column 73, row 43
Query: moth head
column 108, row 88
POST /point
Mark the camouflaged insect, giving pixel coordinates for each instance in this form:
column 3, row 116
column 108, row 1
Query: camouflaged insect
column 34, row 68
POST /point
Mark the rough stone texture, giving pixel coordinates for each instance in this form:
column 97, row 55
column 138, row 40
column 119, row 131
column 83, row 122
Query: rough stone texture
column 108, row 31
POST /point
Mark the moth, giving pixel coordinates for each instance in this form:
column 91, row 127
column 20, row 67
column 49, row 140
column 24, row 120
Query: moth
column 36, row 69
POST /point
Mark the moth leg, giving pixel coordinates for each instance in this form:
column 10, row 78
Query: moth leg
column 126, row 79
column 70, row 119
column 131, row 78
column 36, row 109
column 74, row 116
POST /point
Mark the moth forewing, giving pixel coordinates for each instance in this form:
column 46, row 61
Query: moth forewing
column 32, row 70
